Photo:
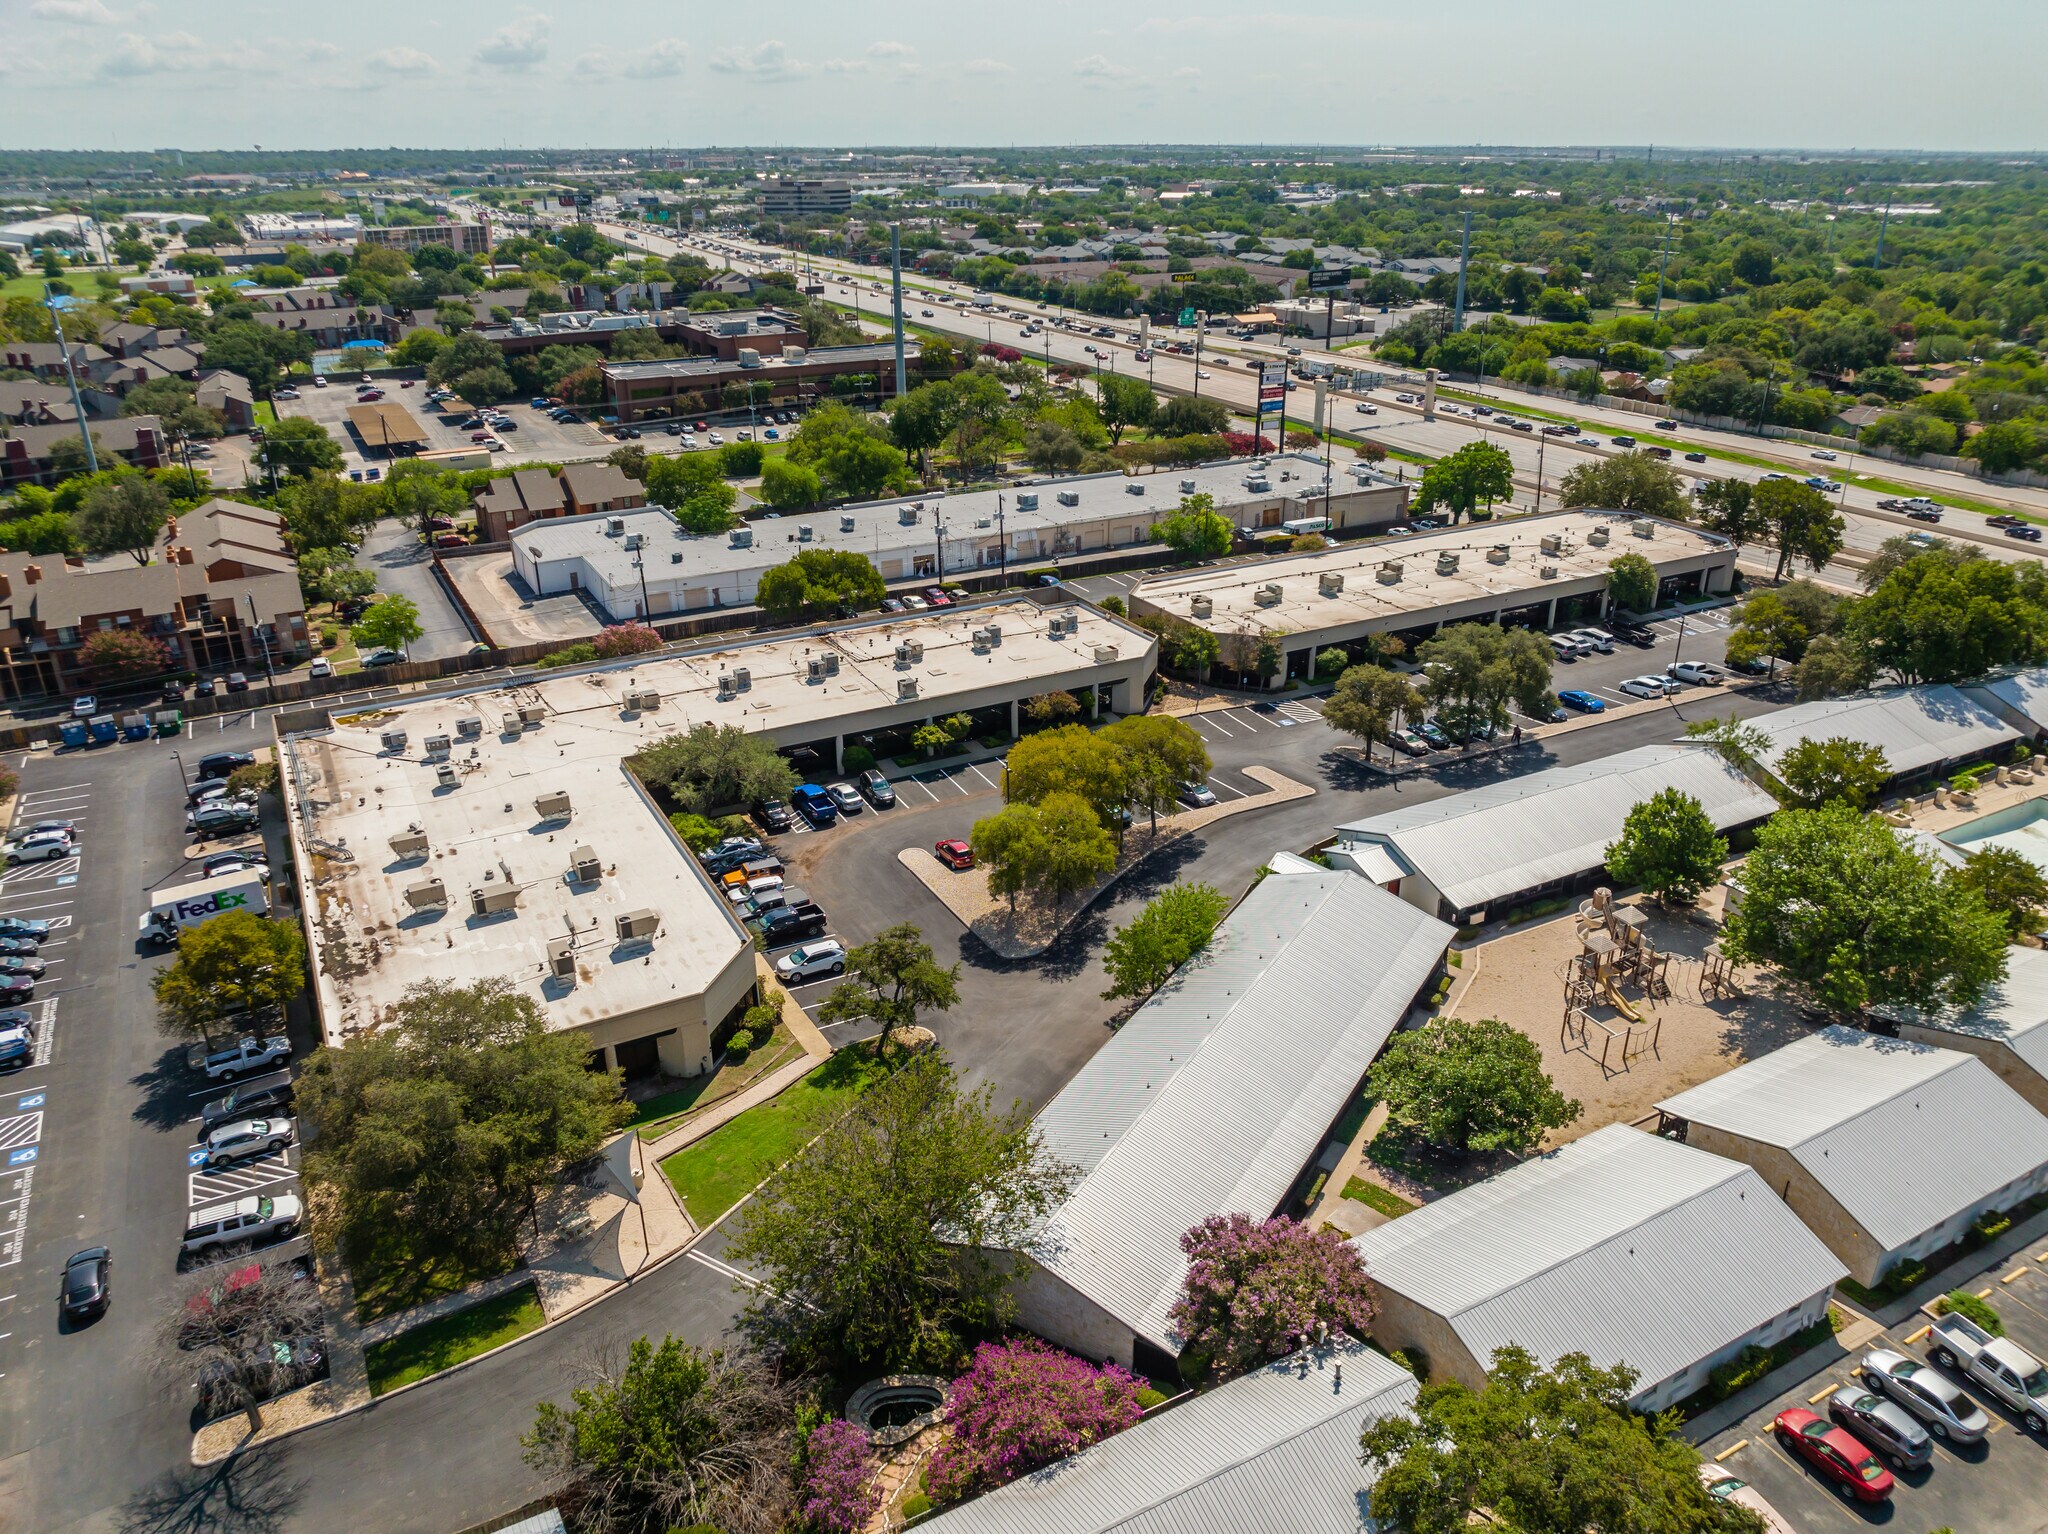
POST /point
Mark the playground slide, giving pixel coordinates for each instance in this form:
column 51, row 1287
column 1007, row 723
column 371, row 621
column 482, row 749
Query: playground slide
column 1616, row 1000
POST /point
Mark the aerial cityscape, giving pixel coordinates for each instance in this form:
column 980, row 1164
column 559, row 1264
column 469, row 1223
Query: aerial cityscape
column 821, row 775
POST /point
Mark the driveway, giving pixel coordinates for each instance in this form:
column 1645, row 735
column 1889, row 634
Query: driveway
column 405, row 568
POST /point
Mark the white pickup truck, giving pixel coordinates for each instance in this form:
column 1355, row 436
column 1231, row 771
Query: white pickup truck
column 1998, row 1364
column 247, row 1056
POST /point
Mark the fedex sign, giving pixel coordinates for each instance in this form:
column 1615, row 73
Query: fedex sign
column 212, row 905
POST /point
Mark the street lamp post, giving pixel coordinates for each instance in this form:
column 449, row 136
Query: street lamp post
column 263, row 639
column 646, row 606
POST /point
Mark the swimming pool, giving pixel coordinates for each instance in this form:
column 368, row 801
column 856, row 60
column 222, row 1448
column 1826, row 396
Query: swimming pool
column 2022, row 828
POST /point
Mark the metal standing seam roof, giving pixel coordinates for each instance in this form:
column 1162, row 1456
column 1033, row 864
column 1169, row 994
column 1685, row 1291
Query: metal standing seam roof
column 1624, row 1246
column 1512, row 836
column 2014, row 1012
column 1915, row 727
column 1902, row 1135
column 2024, row 692
column 1274, row 1451
column 1217, row 1092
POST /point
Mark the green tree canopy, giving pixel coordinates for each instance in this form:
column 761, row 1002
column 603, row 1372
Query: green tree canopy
column 713, row 767
column 1668, row 847
column 894, row 979
column 1124, row 402
column 789, row 486
column 1632, row 582
column 126, row 515
column 820, row 581
column 1469, row 1086
column 237, row 961
column 1196, row 530
column 298, row 446
column 1802, row 522
column 1833, row 771
column 1069, row 758
column 1369, row 702
column 1473, row 671
column 1627, row 482
column 1946, row 617
column 1175, row 924
column 391, row 624
column 1477, row 472
column 2011, row 885
column 1160, row 756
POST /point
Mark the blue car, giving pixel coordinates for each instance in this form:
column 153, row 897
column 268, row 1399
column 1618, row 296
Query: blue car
column 22, row 926
column 814, row 804
column 1584, row 702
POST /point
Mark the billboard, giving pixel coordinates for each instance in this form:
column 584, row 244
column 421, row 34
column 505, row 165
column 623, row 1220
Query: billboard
column 1180, row 277
column 1329, row 279
column 1187, row 318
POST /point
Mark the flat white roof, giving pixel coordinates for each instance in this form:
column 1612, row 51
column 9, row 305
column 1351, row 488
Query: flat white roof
column 1902, row 1135
column 1621, row 1245
column 1304, row 606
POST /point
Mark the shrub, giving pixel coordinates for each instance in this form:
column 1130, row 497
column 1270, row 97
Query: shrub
column 1990, row 1225
column 1149, row 1398
column 858, row 759
column 739, row 1046
column 1745, row 1368
column 1113, row 605
column 835, row 1494
column 625, row 639
column 570, row 655
column 1021, row 1405
column 916, row 1505
column 1254, row 1292
column 1962, row 1302
column 10, row 781
column 330, row 636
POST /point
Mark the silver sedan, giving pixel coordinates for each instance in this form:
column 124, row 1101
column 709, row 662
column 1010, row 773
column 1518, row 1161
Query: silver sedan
column 1927, row 1394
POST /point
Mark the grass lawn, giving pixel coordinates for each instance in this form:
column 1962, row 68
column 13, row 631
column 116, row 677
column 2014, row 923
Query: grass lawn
column 723, row 1167
column 444, row 1343
column 266, row 413
column 657, row 1115
column 390, row 1277
column 1373, row 1196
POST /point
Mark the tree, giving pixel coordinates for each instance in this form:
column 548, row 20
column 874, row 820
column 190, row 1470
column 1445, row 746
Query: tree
column 1368, row 701
column 788, row 486
column 1467, row 1086
column 712, row 767
column 120, row 655
column 671, row 1437
column 920, row 420
column 1765, row 626
column 901, row 1225
column 1472, row 671
column 1010, row 845
column 326, row 511
column 172, row 402
column 1124, row 402
column 1833, row 771
column 1476, row 472
column 1050, row 708
column 1668, row 847
column 1632, row 583
column 297, row 445
column 234, row 962
column 1255, row 1292
column 1541, row 1451
column 418, row 492
column 892, row 979
column 125, row 515
column 1830, row 668
column 1801, row 522
column 447, row 1120
column 2011, row 886
column 1857, row 919
column 1078, row 849
column 615, row 640
column 1175, row 925
column 485, row 385
column 1022, row 1405
column 330, row 575
column 1627, row 482
column 1069, row 758
column 1184, row 417
column 820, row 581
column 1728, row 507
column 1160, row 756
column 1196, row 530
column 239, row 1335
column 1947, row 617
column 391, row 624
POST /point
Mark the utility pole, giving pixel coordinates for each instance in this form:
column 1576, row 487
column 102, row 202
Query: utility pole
column 896, row 276
column 1541, row 447
column 92, row 460
column 256, row 623
column 1002, row 542
column 1878, row 264
column 1663, row 256
column 1464, row 255
column 1201, row 329
column 646, row 606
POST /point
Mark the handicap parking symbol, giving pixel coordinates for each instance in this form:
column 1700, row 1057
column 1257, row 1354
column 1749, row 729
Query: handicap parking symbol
column 195, row 1158
column 33, row 1100
column 23, row 1157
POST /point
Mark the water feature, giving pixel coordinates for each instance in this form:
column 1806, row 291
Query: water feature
column 897, row 1407
column 2021, row 828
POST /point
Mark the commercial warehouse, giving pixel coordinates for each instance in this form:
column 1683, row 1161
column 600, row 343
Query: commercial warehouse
column 1535, row 572
column 1214, row 1097
column 2007, row 1030
column 1469, row 856
column 1887, row 1149
column 1623, row 1246
column 647, row 565
column 665, row 387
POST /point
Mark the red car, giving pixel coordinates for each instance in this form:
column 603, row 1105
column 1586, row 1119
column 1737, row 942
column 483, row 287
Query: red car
column 702, row 427
column 954, row 853
column 936, row 595
column 450, row 541
column 1841, row 1459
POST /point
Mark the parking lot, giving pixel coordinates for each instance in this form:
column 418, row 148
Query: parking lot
column 536, row 438
column 1993, row 1487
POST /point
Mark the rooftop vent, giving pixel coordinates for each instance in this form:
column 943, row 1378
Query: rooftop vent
column 427, row 895
column 1258, row 484
column 552, row 806
column 814, row 669
column 1330, row 582
column 509, row 723
column 847, row 524
column 907, row 515
column 742, row 678
column 1552, row 543
column 638, row 926
column 803, row 532
column 641, row 700
column 532, row 713
column 1187, row 487
column 1104, row 654
column 584, row 866
column 435, row 745
column 635, row 540
column 410, row 843
column 1548, row 572
column 613, row 526
column 728, row 686
column 831, row 663
column 445, row 775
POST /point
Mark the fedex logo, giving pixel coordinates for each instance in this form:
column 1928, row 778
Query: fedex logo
column 213, row 905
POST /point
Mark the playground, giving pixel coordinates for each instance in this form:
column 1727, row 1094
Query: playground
column 1628, row 1003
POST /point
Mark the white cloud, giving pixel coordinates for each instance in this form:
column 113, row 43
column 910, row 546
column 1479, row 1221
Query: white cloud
column 663, row 56
column 890, row 50
column 985, row 67
column 1187, row 73
column 1098, row 70
column 320, row 52
column 767, row 62
column 92, row 11
column 406, row 61
column 133, row 54
column 517, row 45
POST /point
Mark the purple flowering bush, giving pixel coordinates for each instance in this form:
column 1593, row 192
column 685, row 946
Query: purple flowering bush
column 1255, row 1292
column 835, row 1495
column 1021, row 1405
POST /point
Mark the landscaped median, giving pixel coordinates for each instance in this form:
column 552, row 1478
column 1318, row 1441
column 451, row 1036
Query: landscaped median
column 452, row 1339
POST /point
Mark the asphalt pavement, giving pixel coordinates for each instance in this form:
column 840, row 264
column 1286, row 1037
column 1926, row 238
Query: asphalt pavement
column 405, row 567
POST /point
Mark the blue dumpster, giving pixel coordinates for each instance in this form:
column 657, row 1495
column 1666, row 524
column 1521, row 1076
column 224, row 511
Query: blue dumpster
column 135, row 727
column 72, row 732
column 104, row 731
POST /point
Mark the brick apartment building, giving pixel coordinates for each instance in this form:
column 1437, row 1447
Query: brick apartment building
column 534, row 495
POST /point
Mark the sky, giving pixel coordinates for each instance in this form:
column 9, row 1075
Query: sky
column 231, row 74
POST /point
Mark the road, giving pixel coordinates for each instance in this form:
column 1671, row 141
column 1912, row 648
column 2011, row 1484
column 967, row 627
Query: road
column 405, row 568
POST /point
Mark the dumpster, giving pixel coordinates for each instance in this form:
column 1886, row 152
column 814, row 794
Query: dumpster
column 169, row 721
column 135, row 727
column 104, row 731
column 72, row 732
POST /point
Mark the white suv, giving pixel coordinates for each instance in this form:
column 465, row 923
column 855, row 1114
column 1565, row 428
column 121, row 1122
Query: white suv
column 1597, row 639
column 212, row 1230
column 812, row 961
column 250, row 1137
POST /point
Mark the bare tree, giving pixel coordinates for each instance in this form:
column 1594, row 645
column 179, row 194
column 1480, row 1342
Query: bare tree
column 238, row 1336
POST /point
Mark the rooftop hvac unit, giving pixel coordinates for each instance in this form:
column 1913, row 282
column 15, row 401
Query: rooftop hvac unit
column 613, row 526
column 907, row 515
column 742, row 678
column 1643, row 527
column 1258, row 484
column 1069, row 497
column 1201, row 607
column 642, row 699
column 1027, row 500
column 1389, row 573
column 584, row 866
column 847, row 524
column 532, row 713
column 1187, row 487
column 749, row 357
column 392, row 740
column 906, row 688
column 638, row 926
column 635, row 540
column 509, row 723
column 409, row 844
column 562, row 958
column 1134, row 487
column 1552, row 543
column 436, row 745
column 1447, row 562
column 1597, row 537
column 792, row 354
column 743, row 537
column 553, row 806
column 675, row 559
column 984, row 521
column 494, row 901
column 831, row 663
column 445, row 775
column 814, row 669
column 1330, row 582
column 995, row 633
column 1104, row 654
column 427, row 895
column 1498, row 554
column 1548, row 572
column 903, row 652
column 728, row 688
column 469, row 727
column 803, row 532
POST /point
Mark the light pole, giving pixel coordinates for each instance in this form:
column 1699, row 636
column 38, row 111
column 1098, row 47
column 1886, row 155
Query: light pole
column 640, row 568
column 1002, row 544
column 256, row 623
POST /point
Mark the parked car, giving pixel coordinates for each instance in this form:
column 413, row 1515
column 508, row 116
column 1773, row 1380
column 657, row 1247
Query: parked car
column 812, row 961
column 814, row 804
column 39, row 849
column 223, row 819
column 1729, row 1487
column 936, row 595
column 1434, row 736
column 1996, row 1364
column 1196, row 794
column 1598, row 639
column 1583, row 701
column 734, row 852
column 1699, row 673
column 24, row 926
column 1927, row 1394
column 846, row 798
column 85, row 706
column 246, row 1056
column 17, row 1039
column 1647, row 687
column 788, row 924
column 214, row 1229
column 218, row 764
column 1842, row 1462
column 773, row 814
column 20, row 945
column 383, row 657
column 1634, row 634
column 1885, row 1425
column 878, row 789
column 272, row 1094
column 17, row 990
column 237, row 682
column 19, row 967
column 88, row 1284
column 954, row 853
column 245, row 1138
column 1410, row 742
column 1567, row 648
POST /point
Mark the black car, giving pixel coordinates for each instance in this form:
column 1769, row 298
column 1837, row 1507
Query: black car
column 221, row 763
column 16, row 990
column 2026, row 532
column 263, row 1094
column 20, row 945
column 203, row 688
column 174, row 692
column 877, row 789
column 1923, row 514
column 88, row 1283
column 352, row 609
column 792, row 924
column 1629, row 633
column 14, row 966
column 237, row 682
column 774, row 814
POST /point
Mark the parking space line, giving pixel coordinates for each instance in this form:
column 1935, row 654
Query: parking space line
column 976, row 770
column 1243, row 717
column 1235, row 793
column 1216, row 721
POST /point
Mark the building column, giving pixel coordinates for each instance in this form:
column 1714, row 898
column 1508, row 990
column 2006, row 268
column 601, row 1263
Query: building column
column 1311, row 663
column 1013, row 719
column 839, row 753
column 1094, row 701
column 1550, row 614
